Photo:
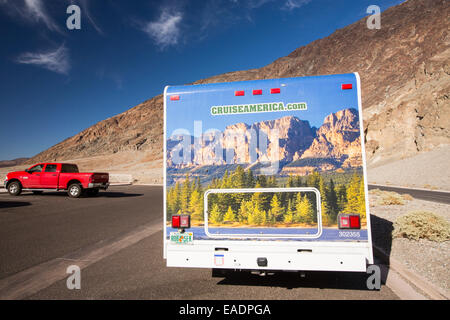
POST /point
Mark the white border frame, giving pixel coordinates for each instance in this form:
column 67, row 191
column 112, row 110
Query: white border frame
column 363, row 153
column 165, row 172
column 369, row 229
column 264, row 236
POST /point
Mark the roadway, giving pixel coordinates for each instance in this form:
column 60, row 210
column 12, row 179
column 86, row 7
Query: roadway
column 428, row 195
column 116, row 239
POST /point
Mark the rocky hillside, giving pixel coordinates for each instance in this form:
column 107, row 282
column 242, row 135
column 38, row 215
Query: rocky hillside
column 290, row 141
column 12, row 163
column 405, row 76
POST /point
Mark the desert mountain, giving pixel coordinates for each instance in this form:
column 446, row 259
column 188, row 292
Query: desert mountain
column 12, row 163
column 405, row 76
column 336, row 144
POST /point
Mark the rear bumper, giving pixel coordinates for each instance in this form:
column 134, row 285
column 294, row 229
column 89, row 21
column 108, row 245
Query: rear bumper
column 103, row 186
column 320, row 257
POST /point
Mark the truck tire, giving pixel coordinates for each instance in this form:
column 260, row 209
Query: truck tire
column 15, row 188
column 75, row 190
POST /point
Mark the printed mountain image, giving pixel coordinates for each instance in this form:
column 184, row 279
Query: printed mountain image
column 298, row 148
column 327, row 159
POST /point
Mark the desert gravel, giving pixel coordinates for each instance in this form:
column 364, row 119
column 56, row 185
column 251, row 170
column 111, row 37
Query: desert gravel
column 429, row 259
column 427, row 170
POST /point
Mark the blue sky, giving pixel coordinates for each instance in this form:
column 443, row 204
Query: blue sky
column 55, row 82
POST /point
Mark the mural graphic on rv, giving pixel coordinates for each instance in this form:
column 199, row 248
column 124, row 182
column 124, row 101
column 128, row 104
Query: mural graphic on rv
column 283, row 152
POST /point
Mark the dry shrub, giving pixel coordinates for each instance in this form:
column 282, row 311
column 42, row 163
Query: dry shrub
column 422, row 225
column 389, row 198
column 375, row 192
column 407, row 197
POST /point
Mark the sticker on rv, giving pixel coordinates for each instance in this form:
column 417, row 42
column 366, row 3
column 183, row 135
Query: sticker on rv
column 257, row 108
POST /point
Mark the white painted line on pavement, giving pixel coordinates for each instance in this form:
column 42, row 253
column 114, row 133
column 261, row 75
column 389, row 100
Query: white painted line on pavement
column 39, row 277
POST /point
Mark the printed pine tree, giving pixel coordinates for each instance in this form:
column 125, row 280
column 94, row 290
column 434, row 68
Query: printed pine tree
column 258, row 198
column 238, row 182
column 313, row 179
column 196, row 206
column 325, row 207
column 276, row 210
column 185, row 195
column 290, row 182
column 304, row 210
column 341, row 197
column 298, row 181
column 173, row 199
column 362, row 200
column 333, row 200
column 215, row 215
column 229, row 215
column 289, row 216
column 353, row 195
column 244, row 211
column 250, row 181
column 257, row 217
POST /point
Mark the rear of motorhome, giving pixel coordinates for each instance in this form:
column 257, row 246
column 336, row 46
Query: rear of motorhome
column 266, row 175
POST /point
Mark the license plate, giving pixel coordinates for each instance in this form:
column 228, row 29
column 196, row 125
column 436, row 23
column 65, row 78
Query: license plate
column 182, row 238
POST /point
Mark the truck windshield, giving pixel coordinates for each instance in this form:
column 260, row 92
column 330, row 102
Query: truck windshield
column 37, row 168
column 69, row 168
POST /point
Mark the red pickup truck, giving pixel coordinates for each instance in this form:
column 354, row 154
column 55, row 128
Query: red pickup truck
column 56, row 177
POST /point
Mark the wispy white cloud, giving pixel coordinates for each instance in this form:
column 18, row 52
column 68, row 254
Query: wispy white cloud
column 37, row 11
column 255, row 4
column 56, row 60
column 294, row 4
column 31, row 11
column 165, row 31
column 87, row 12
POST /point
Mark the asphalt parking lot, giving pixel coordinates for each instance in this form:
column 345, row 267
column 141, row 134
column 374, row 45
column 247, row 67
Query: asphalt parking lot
column 117, row 240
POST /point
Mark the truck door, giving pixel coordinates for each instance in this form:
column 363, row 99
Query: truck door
column 49, row 177
column 34, row 177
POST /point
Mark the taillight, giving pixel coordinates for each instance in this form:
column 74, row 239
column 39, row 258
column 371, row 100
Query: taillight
column 175, row 98
column 182, row 221
column 347, row 86
column 175, row 222
column 275, row 90
column 349, row 221
column 355, row 222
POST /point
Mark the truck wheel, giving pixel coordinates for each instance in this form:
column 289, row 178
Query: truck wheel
column 75, row 190
column 92, row 192
column 15, row 188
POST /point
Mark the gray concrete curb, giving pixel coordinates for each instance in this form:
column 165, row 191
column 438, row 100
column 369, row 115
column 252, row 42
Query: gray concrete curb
column 428, row 288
